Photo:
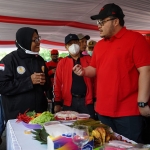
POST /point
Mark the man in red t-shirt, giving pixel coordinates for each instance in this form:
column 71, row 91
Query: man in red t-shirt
column 121, row 62
column 51, row 65
column 72, row 92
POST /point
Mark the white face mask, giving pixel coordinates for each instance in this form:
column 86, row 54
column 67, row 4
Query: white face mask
column 74, row 49
column 90, row 52
column 28, row 51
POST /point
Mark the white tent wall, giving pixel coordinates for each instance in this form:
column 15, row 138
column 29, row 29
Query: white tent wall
column 57, row 18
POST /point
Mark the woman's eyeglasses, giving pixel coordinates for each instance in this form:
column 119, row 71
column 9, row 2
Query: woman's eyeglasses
column 37, row 40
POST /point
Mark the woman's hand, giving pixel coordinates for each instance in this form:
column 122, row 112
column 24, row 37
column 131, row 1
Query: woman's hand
column 38, row 78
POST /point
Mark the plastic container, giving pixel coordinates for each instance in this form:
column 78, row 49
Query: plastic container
column 83, row 116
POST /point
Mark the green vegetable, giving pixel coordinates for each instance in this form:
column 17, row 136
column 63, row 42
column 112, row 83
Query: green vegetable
column 40, row 135
column 44, row 117
column 31, row 113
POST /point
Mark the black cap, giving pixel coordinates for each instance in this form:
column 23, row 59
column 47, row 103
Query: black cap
column 109, row 10
column 70, row 37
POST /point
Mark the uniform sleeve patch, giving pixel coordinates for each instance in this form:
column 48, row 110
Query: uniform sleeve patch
column 2, row 67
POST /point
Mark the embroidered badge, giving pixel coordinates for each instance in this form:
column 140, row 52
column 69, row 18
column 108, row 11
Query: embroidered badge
column 2, row 67
column 21, row 69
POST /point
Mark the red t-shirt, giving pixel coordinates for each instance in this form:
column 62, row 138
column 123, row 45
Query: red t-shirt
column 116, row 61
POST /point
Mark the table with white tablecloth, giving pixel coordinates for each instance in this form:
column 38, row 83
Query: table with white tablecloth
column 18, row 140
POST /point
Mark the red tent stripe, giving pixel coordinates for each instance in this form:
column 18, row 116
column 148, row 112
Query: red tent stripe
column 17, row 20
column 42, row 42
column 32, row 21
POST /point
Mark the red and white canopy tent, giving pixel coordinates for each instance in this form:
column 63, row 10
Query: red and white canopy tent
column 54, row 19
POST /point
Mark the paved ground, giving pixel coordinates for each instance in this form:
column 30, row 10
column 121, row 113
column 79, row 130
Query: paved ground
column 3, row 145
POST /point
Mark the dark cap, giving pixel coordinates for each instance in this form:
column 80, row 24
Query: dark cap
column 109, row 10
column 70, row 37
column 54, row 52
column 81, row 36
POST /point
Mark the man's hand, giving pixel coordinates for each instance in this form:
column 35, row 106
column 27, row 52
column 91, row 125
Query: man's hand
column 38, row 78
column 78, row 69
column 57, row 108
column 54, row 70
column 145, row 111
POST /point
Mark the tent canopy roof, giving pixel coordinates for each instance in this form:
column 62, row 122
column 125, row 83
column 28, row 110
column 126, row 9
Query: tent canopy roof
column 54, row 19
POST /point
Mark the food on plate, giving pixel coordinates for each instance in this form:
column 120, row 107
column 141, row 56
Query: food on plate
column 32, row 117
column 31, row 114
column 92, row 124
column 66, row 115
column 101, row 133
column 24, row 117
column 43, row 118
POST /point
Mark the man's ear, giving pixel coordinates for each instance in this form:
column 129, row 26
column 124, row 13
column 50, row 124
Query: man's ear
column 116, row 21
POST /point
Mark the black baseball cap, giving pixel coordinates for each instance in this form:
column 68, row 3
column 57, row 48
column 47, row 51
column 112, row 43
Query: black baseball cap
column 70, row 37
column 109, row 10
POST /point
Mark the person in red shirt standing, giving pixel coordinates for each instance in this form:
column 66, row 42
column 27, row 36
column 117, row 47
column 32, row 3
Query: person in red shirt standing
column 121, row 63
column 72, row 92
column 51, row 65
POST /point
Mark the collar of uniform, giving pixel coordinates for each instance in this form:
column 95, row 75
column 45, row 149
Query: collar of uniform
column 118, row 35
column 121, row 33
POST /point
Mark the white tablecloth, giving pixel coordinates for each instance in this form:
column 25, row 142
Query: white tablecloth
column 18, row 140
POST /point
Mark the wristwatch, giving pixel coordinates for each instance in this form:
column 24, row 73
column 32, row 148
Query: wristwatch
column 142, row 104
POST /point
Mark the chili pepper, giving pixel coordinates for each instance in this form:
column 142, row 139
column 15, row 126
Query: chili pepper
column 23, row 117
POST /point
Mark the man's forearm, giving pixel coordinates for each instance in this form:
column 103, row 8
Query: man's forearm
column 144, row 85
column 89, row 71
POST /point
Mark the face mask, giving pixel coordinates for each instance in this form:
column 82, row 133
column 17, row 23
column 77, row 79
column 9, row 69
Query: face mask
column 74, row 49
column 28, row 51
column 90, row 52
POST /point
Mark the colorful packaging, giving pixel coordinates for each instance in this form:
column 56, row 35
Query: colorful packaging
column 65, row 142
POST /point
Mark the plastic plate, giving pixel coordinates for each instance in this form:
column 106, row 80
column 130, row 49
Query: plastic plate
column 32, row 126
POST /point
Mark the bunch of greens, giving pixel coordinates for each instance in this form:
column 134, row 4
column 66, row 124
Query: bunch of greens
column 44, row 117
column 31, row 113
column 40, row 135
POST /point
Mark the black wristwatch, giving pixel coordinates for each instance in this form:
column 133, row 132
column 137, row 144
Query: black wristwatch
column 142, row 104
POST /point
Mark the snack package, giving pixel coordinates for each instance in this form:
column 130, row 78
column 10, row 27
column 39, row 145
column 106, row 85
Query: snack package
column 65, row 142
